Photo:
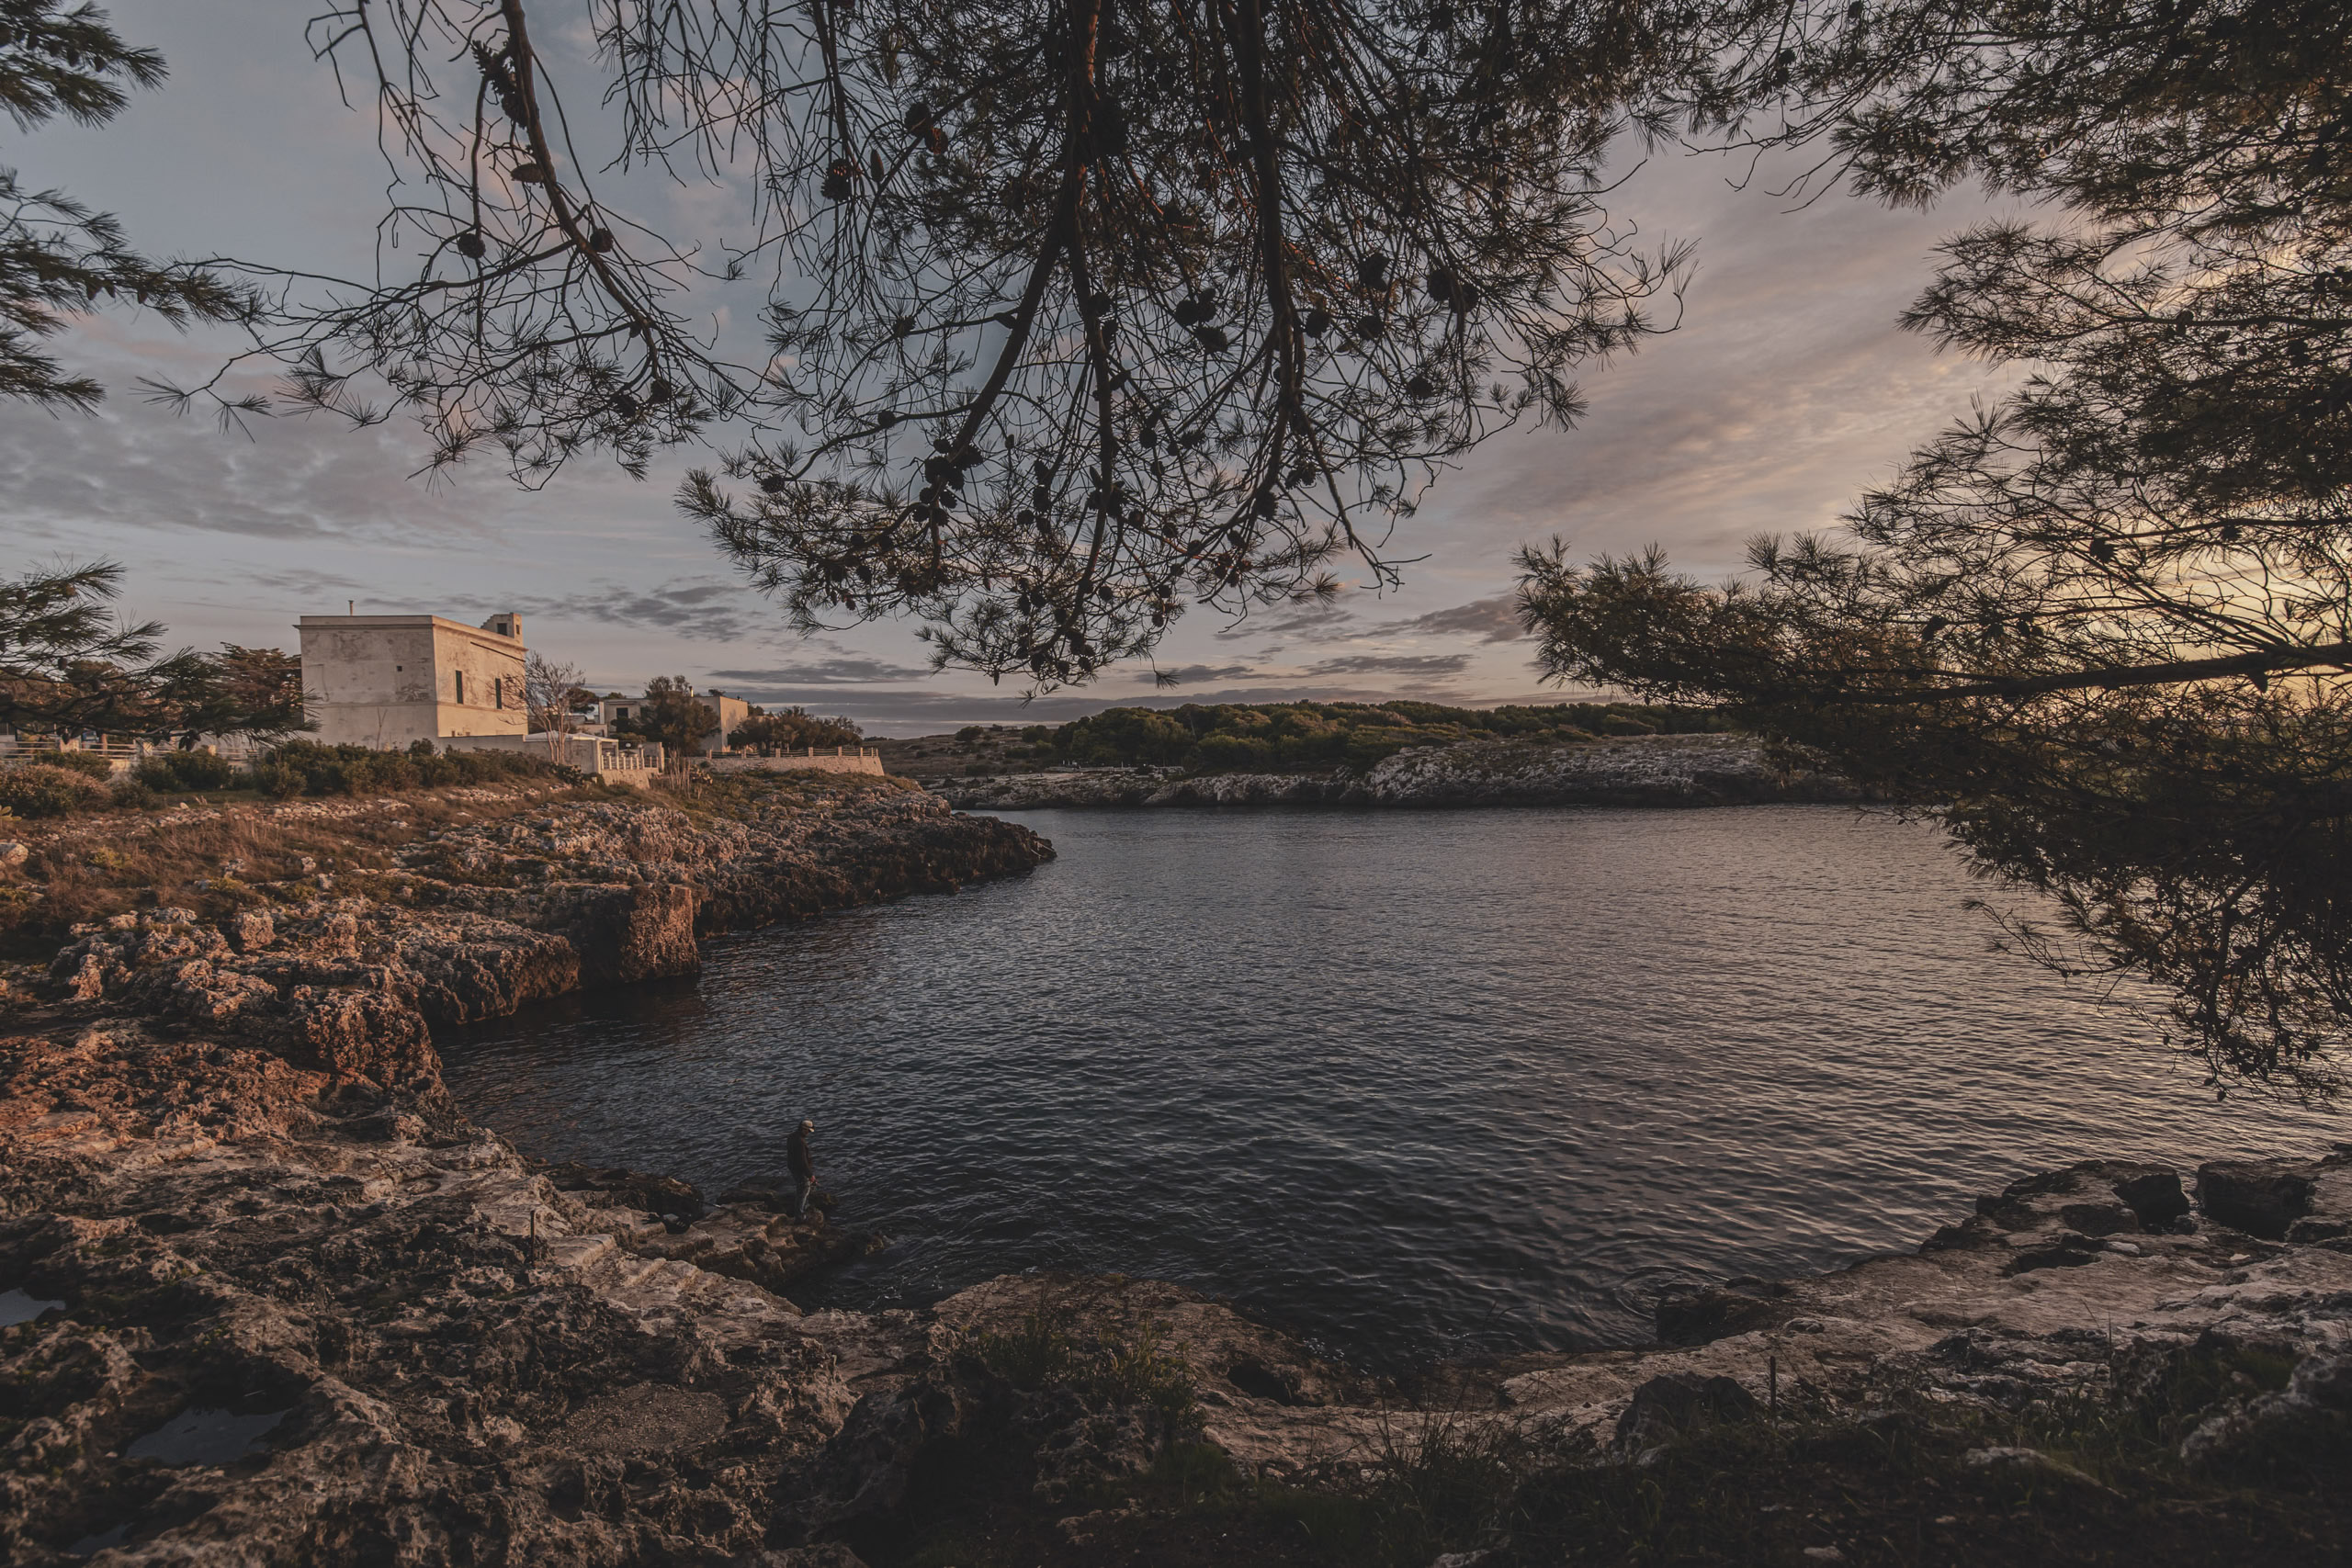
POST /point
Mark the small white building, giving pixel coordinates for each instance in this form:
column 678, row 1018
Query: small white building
column 731, row 711
column 386, row 681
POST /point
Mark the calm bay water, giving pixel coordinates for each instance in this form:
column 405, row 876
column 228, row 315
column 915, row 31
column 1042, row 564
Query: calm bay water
column 1414, row 1085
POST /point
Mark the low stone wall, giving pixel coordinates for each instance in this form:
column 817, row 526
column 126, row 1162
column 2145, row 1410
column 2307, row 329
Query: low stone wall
column 838, row 760
column 608, row 759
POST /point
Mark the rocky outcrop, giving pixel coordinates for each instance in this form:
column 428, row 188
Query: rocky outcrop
column 279, row 1316
column 266, row 1298
column 1653, row 770
column 474, row 921
column 264, row 1312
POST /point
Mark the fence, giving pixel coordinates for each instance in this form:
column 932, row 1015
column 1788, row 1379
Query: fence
column 124, row 751
column 621, row 761
column 841, row 759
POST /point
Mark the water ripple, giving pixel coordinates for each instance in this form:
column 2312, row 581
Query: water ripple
column 1410, row 1085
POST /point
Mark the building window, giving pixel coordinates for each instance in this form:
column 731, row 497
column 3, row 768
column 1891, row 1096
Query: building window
column 462, row 685
column 498, row 690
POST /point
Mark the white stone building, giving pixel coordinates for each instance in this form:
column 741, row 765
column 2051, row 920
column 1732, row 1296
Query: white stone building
column 386, row 681
column 731, row 711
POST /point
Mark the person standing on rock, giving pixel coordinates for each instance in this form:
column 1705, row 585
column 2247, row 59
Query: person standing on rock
column 804, row 1167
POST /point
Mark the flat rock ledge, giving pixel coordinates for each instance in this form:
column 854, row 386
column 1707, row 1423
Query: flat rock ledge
column 1652, row 770
column 350, row 972
column 267, row 1312
column 268, row 1298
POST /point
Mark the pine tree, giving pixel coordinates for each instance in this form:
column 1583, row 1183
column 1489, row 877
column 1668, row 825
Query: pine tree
column 2099, row 629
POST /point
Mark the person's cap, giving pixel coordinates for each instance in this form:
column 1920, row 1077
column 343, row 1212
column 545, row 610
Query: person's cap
column 807, row 1126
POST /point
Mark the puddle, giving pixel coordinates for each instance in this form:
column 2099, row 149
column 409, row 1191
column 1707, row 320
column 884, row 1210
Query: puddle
column 21, row 1306
column 205, row 1437
column 91, row 1545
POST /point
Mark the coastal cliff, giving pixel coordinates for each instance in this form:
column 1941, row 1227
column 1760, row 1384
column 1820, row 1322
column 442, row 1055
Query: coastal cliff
column 282, row 1315
column 1651, row 769
column 269, row 1297
column 465, row 904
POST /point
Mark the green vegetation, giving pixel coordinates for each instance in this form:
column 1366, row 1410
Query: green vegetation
column 1299, row 737
column 1047, row 1351
column 86, row 763
column 43, row 789
column 787, row 730
column 306, row 767
column 186, row 772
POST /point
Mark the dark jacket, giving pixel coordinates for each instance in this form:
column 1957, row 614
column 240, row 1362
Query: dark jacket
column 796, row 1154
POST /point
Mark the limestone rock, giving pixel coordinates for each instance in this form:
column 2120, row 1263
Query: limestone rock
column 615, row 1187
column 2259, row 1199
column 2311, row 1415
column 1699, row 1315
column 250, row 931
column 1083, row 1450
column 1676, row 1403
column 864, row 1470
column 2153, row 1197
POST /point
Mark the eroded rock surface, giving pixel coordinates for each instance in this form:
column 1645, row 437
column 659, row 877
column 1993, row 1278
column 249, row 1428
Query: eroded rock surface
column 290, row 1307
column 475, row 921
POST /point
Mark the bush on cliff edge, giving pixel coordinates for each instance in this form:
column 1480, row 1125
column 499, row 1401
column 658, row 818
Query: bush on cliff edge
column 43, row 789
column 306, row 767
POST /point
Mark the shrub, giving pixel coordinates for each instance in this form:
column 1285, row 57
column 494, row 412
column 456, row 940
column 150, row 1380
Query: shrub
column 131, row 792
column 41, row 789
column 1234, row 751
column 280, row 778
column 1323, row 735
column 306, row 767
column 1044, row 1352
column 88, row 763
column 185, row 771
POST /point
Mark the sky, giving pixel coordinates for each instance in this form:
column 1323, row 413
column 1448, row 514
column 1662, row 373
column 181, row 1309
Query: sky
column 1786, row 389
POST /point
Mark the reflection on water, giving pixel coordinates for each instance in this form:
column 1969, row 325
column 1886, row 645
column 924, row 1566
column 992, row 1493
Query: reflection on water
column 1414, row 1084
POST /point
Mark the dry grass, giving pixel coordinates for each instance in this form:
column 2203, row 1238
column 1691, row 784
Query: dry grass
column 215, row 855
column 208, row 859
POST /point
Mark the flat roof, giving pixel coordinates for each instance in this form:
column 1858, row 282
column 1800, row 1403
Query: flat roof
column 360, row 623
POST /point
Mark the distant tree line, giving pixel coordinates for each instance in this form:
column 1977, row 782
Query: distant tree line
column 786, row 730
column 68, row 664
column 1299, row 737
column 683, row 723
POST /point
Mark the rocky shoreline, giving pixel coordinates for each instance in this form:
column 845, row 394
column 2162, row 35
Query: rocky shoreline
column 519, row 895
column 271, row 1299
column 1649, row 771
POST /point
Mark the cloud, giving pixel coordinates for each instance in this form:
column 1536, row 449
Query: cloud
column 1488, row 620
column 703, row 609
column 842, row 669
column 1190, row 674
column 300, row 583
column 1420, row 664
column 1317, row 620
